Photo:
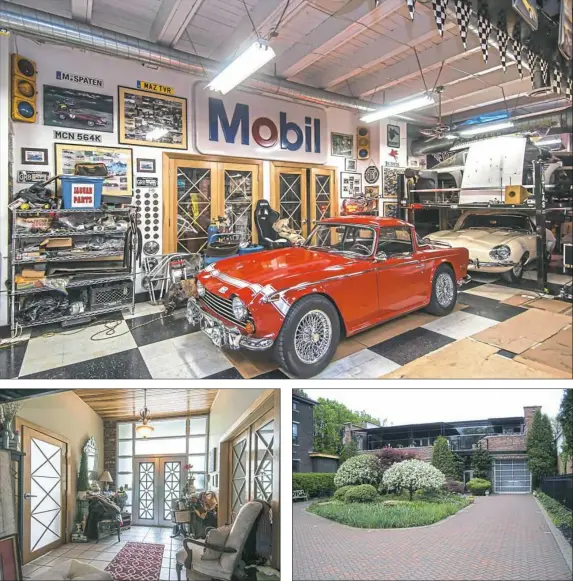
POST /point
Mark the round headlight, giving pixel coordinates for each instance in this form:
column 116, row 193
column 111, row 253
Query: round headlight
column 501, row 252
column 239, row 309
column 200, row 289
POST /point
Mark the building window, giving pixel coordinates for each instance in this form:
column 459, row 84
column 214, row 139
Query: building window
column 296, row 465
column 295, row 434
column 294, row 406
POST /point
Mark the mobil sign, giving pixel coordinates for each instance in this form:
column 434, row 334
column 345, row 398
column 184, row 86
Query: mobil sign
column 245, row 125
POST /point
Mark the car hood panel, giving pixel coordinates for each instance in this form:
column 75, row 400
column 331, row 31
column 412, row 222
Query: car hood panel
column 479, row 239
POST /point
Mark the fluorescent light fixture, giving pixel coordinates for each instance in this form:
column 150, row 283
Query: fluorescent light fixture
column 555, row 141
column 487, row 128
column 399, row 107
column 257, row 55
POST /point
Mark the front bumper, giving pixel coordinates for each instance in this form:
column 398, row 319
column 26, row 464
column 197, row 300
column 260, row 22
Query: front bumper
column 223, row 335
column 493, row 266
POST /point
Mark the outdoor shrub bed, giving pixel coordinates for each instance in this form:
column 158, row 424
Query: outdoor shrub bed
column 561, row 516
column 315, row 484
column 383, row 514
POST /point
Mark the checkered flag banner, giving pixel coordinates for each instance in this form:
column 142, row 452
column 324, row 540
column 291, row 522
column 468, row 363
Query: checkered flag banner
column 545, row 72
column 439, row 7
column 556, row 80
column 532, row 61
column 569, row 89
column 411, row 8
column 517, row 48
column 503, row 40
column 484, row 30
column 463, row 12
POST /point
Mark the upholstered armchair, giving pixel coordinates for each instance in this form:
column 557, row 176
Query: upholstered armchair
column 219, row 556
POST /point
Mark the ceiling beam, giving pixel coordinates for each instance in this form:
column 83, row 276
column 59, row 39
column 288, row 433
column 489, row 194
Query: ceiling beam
column 173, row 17
column 265, row 15
column 403, row 38
column 339, row 28
column 82, row 10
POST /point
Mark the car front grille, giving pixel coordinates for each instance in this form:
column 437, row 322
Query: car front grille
column 222, row 307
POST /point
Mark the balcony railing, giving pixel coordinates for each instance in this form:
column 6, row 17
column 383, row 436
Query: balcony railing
column 457, row 443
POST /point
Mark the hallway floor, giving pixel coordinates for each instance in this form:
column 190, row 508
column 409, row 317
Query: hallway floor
column 101, row 554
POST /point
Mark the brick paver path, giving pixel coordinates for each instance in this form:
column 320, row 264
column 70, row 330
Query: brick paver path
column 500, row 537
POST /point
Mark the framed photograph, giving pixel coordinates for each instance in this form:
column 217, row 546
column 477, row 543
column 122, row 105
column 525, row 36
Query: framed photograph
column 350, row 184
column 372, row 191
column 342, row 145
column 118, row 160
column 393, row 136
column 390, row 209
column 77, row 109
column 390, row 176
column 213, row 460
column 151, row 119
column 10, row 564
column 350, row 164
column 145, row 166
column 34, row 156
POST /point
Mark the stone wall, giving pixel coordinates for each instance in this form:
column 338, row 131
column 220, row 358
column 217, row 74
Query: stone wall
column 529, row 414
column 505, row 443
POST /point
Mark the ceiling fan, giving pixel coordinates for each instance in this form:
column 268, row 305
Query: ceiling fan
column 441, row 129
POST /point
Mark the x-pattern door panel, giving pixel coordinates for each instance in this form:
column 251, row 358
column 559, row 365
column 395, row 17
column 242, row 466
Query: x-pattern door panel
column 323, row 202
column 239, row 474
column 146, row 492
column 172, row 470
column 263, row 458
column 45, row 481
column 289, row 196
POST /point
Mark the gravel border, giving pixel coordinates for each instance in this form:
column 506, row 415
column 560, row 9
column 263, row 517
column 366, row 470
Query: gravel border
column 560, row 539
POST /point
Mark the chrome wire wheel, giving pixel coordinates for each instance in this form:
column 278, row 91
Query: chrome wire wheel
column 312, row 337
column 444, row 289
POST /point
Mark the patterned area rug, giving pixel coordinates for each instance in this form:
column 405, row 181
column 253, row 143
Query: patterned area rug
column 137, row 561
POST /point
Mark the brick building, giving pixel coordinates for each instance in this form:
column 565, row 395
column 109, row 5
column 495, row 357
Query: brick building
column 504, row 438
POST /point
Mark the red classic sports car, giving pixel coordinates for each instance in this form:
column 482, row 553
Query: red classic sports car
column 352, row 273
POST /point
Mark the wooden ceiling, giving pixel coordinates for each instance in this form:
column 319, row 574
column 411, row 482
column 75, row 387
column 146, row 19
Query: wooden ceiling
column 125, row 404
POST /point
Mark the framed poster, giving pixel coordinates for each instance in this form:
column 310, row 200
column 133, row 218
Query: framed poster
column 393, row 136
column 566, row 29
column 77, row 109
column 145, row 166
column 342, row 144
column 118, row 160
column 390, row 177
column 371, row 191
column 10, row 564
column 390, row 209
column 350, row 164
column 34, row 156
column 151, row 119
column 350, row 184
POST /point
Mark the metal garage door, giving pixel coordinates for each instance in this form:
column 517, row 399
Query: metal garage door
column 511, row 477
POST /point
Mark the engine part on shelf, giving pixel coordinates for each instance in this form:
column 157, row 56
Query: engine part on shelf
column 110, row 294
column 151, row 247
column 77, row 308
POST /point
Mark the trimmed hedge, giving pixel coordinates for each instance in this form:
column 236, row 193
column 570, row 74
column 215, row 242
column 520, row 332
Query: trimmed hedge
column 315, row 484
column 478, row 486
column 341, row 493
column 361, row 493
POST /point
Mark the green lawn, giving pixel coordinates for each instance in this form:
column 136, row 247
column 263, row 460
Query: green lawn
column 375, row 515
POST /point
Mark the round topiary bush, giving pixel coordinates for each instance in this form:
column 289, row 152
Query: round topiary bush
column 361, row 493
column 361, row 469
column 478, row 486
column 341, row 493
column 413, row 475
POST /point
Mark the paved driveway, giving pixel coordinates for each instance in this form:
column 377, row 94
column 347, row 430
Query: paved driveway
column 500, row 537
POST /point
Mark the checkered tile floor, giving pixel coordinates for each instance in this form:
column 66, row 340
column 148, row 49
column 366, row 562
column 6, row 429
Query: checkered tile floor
column 146, row 346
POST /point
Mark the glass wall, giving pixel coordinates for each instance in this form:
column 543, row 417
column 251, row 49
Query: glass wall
column 173, row 437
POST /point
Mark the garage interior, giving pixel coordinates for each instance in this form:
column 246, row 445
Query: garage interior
column 125, row 86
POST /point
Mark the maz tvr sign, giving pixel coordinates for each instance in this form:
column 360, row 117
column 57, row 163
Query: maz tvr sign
column 245, row 125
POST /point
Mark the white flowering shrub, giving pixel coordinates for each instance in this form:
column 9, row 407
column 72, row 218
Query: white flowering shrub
column 361, row 469
column 412, row 475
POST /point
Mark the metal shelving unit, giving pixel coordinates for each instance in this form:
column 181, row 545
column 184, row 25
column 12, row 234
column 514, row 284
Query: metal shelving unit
column 539, row 206
column 19, row 258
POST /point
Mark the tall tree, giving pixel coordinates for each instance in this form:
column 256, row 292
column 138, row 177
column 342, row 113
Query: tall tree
column 565, row 417
column 541, row 448
column 445, row 460
column 329, row 419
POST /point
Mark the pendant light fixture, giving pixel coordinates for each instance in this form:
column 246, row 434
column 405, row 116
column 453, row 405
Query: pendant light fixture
column 144, row 429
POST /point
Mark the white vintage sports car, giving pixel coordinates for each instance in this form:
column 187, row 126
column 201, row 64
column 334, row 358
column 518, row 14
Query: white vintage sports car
column 497, row 242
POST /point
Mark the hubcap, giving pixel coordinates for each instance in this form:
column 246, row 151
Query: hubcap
column 312, row 337
column 444, row 289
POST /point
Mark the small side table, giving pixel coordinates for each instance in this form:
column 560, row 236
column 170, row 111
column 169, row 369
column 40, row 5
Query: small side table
column 109, row 525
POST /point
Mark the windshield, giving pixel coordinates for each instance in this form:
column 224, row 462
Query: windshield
column 496, row 221
column 352, row 241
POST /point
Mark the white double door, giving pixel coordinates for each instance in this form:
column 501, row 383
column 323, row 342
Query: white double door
column 157, row 482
